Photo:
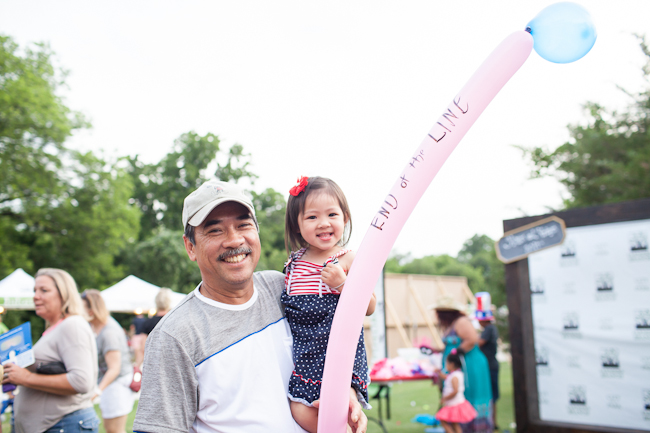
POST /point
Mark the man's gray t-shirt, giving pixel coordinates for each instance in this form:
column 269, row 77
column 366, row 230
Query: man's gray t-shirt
column 219, row 367
column 112, row 337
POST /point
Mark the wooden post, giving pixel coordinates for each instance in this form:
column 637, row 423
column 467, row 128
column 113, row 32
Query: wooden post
column 398, row 323
column 418, row 301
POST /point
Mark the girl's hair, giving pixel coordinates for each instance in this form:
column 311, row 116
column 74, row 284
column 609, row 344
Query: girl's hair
column 70, row 299
column 454, row 358
column 293, row 240
column 96, row 304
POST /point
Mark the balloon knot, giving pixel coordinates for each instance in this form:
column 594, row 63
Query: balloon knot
column 529, row 30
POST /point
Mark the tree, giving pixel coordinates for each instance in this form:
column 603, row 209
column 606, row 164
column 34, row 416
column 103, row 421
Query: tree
column 34, row 123
column 441, row 265
column 87, row 225
column 161, row 188
column 608, row 160
column 270, row 207
column 162, row 260
column 479, row 252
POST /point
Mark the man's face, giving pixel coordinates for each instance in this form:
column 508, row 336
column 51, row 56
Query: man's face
column 227, row 248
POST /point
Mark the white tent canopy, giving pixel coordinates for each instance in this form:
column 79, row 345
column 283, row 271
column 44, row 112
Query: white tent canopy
column 17, row 291
column 133, row 294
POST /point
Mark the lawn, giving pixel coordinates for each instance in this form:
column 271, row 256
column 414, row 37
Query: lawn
column 407, row 399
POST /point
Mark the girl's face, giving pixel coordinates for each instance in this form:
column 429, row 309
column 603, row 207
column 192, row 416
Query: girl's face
column 322, row 223
column 451, row 366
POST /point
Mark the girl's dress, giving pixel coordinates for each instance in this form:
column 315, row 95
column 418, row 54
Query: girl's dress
column 309, row 307
column 478, row 390
column 457, row 409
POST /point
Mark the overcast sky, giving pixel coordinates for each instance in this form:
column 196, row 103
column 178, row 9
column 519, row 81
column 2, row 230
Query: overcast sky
column 342, row 89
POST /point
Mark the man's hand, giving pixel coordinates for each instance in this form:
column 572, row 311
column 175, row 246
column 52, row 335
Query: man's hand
column 357, row 419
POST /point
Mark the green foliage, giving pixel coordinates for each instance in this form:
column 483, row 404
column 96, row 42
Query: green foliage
column 163, row 261
column 441, row 265
column 58, row 208
column 479, row 252
column 34, row 123
column 161, row 188
column 88, row 225
column 270, row 208
column 606, row 161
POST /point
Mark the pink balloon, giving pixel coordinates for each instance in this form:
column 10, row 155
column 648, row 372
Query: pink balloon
column 427, row 160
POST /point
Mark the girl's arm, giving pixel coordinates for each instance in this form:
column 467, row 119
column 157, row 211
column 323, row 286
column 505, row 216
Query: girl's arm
column 467, row 333
column 337, row 277
column 114, row 363
column 454, row 385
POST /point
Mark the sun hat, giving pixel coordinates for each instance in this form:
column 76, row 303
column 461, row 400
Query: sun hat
column 448, row 303
column 198, row 205
column 483, row 307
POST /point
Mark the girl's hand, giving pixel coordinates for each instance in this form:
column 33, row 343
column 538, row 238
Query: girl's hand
column 15, row 374
column 333, row 275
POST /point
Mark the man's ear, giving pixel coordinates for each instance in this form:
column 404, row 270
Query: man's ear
column 190, row 248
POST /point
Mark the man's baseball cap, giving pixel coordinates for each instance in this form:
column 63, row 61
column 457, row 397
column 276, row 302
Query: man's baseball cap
column 198, row 205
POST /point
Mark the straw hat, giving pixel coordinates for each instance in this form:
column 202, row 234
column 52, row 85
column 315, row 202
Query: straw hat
column 448, row 303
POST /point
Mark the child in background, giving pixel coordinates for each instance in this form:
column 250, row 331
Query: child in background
column 456, row 409
column 318, row 226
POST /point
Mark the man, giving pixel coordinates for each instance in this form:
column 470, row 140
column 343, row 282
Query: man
column 221, row 360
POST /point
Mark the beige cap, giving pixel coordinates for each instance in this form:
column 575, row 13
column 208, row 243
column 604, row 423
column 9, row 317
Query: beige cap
column 448, row 303
column 198, row 205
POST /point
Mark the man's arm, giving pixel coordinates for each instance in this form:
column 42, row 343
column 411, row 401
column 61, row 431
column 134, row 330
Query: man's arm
column 169, row 396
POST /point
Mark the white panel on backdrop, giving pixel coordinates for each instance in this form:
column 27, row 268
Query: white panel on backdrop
column 591, row 324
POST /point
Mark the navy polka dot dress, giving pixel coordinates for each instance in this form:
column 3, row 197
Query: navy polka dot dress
column 310, row 318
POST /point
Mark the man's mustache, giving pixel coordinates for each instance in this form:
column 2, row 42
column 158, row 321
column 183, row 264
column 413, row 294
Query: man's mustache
column 235, row 252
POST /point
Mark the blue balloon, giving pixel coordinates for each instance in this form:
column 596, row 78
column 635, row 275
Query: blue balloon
column 562, row 32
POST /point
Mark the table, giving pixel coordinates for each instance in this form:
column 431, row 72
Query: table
column 384, row 393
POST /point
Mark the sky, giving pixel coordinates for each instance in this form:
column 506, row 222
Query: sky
column 341, row 89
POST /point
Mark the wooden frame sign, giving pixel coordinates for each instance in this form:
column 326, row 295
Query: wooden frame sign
column 519, row 243
column 579, row 317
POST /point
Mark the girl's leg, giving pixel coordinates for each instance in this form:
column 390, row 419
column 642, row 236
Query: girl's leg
column 457, row 428
column 115, row 425
column 449, row 428
column 305, row 416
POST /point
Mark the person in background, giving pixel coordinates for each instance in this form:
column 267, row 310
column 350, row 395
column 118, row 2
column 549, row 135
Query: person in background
column 55, row 393
column 488, row 345
column 137, row 338
column 114, row 360
column 459, row 334
column 163, row 305
column 455, row 408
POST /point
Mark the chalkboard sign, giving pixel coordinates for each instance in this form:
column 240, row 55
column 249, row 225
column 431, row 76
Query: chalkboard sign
column 518, row 244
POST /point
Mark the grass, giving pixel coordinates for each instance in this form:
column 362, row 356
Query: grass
column 407, row 399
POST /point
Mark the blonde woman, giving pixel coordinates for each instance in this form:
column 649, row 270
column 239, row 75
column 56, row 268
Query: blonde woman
column 163, row 305
column 55, row 394
column 115, row 369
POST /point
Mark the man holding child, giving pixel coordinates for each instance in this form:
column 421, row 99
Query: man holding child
column 222, row 359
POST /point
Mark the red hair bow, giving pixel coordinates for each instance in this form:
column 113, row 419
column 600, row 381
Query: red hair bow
column 300, row 186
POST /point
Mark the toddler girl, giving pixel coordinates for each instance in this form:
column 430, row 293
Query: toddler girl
column 317, row 227
column 456, row 409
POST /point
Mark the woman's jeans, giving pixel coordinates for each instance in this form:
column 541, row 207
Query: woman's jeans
column 80, row 421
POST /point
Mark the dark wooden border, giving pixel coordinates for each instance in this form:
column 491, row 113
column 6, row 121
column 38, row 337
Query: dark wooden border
column 521, row 321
